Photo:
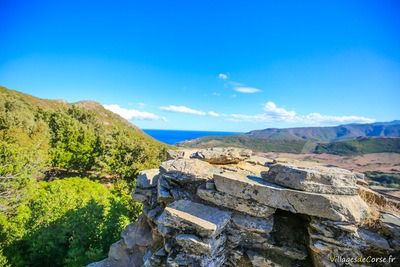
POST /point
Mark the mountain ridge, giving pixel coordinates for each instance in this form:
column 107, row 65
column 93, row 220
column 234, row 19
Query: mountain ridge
column 333, row 133
column 310, row 139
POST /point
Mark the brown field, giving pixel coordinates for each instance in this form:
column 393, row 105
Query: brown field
column 380, row 162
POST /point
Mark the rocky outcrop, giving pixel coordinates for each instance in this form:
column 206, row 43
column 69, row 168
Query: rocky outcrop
column 227, row 207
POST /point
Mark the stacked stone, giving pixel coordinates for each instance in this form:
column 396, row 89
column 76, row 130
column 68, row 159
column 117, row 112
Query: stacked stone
column 226, row 207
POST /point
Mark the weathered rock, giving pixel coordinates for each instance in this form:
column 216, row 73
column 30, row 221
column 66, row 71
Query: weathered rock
column 250, row 232
column 144, row 195
column 163, row 191
column 204, row 215
column 152, row 213
column 155, row 259
column 193, row 244
column 252, row 224
column 147, row 178
column 260, row 259
column 186, row 215
column 236, row 203
column 137, row 234
column 313, row 178
column 222, row 155
column 183, row 259
column 210, row 185
column 249, row 169
column 120, row 256
column 257, row 160
column 329, row 240
column 374, row 240
column 139, row 197
column 175, row 154
column 391, row 229
column 335, row 207
column 103, row 263
column 187, row 171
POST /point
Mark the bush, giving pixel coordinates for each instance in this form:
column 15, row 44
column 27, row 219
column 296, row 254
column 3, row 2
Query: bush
column 69, row 222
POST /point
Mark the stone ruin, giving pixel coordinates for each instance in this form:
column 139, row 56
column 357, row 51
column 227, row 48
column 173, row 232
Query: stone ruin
column 228, row 207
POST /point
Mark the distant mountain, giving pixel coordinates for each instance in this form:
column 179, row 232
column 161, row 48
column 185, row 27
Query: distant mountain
column 335, row 133
column 307, row 139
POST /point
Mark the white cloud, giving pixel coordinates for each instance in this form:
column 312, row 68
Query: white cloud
column 132, row 114
column 141, row 104
column 213, row 114
column 277, row 113
column 246, row 90
column 247, row 118
column 183, row 109
column 317, row 118
column 223, row 76
column 237, row 86
column 273, row 113
column 187, row 110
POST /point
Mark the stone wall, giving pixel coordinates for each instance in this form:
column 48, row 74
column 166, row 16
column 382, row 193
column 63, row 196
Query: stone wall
column 227, row 207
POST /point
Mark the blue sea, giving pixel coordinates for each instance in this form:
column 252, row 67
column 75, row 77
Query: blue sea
column 175, row 136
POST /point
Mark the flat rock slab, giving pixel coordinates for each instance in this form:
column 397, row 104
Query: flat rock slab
column 247, row 206
column 192, row 244
column 187, row 170
column 252, row 224
column 191, row 217
column 312, row 177
column 222, row 155
column 196, row 245
column 334, row 207
column 258, row 160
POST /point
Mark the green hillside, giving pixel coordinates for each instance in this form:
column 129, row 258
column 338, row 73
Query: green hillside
column 82, row 136
column 360, row 146
column 330, row 134
column 256, row 144
column 343, row 139
column 42, row 141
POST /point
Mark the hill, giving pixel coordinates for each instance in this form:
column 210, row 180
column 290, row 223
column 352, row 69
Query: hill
column 360, row 145
column 49, row 221
column 312, row 139
column 82, row 136
column 328, row 134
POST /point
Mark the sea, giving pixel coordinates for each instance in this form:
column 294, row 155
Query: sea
column 173, row 137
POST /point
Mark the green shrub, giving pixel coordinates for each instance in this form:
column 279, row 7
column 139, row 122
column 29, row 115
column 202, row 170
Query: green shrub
column 68, row 222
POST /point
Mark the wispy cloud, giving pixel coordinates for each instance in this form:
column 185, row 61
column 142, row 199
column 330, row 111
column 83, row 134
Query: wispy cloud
column 213, row 114
column 132, row 114
column 191, row 111
column 223, row 76
column 183, row 109
column 273, row 113
column 237, row 86
column 317, row 118
column 246, row 90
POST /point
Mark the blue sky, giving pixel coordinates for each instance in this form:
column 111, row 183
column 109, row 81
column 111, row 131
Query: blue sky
column 209, row 65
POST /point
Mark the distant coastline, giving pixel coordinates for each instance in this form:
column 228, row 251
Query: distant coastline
column 173, row 137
